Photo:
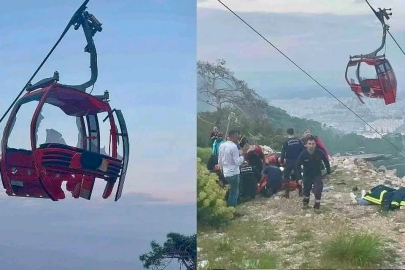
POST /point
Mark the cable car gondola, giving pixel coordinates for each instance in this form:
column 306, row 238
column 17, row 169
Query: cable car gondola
column 384, row 85
column 39, row 172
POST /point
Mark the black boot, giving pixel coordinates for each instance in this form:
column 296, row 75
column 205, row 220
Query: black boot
column 305, row 203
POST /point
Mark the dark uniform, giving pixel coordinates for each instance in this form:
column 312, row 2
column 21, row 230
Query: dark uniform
column 389, row 198
column 312, row 174
column 292, row 148
column 243, row 140
column 274, row 179
column 249, row 179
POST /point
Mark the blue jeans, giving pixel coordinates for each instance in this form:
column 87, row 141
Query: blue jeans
column 234, row 189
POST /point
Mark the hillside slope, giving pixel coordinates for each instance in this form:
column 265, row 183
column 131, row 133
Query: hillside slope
column 277, row 233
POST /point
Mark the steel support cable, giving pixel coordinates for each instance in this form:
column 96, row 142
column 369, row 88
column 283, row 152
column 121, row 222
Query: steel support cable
column 399, row 46
column 312, row 78
column 70, row 24
column 35, row 73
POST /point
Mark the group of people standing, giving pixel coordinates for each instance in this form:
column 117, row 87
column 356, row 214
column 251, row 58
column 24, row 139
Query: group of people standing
column 308, row 152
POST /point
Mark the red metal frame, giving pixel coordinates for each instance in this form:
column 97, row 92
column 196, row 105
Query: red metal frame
column 40, row 172
column 384, row 87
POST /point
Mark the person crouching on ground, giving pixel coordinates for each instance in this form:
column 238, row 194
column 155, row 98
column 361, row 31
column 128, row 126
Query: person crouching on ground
column 292, row 148
column 273, row 175
column 229, row 160
column 311, row 160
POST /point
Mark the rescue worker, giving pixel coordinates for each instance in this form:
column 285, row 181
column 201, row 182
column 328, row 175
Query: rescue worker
column 249, row 177
column 292, row 148
column 311, row 160
column 259, row 152
column 273, row 175
column 319, row 144
column 398, row 199
column 318, row 141
column 387, row 197
column 255, row 158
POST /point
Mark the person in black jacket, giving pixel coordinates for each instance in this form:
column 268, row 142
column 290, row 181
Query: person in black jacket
column 292, row 148
column 242, row 140
column 311, row 160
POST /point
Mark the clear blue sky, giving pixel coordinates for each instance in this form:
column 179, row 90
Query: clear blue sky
column 147, row 60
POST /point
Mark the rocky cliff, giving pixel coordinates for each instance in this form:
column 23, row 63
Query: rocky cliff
column 295, row 236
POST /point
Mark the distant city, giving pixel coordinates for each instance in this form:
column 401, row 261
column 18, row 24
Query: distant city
column 326, row 110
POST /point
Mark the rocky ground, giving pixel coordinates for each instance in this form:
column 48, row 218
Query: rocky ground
column 278, row 232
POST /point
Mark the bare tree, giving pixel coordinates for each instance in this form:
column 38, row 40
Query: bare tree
column 217, row 86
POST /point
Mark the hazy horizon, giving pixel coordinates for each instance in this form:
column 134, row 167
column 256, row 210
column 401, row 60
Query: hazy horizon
column 146, row 60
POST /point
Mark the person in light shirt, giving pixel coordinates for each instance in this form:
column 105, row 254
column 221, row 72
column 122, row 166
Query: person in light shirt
column 229, row 160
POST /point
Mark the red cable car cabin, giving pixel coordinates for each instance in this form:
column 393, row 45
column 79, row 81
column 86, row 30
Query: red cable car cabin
column 384, row 86
column 39, row 172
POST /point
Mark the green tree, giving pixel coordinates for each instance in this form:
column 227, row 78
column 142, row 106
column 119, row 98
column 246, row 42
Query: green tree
column 257, row 119
column 211, row 206
column 177, row 247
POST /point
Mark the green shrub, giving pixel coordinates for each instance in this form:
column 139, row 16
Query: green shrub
column 211, row 205
column 204, row 154
column 353, row 249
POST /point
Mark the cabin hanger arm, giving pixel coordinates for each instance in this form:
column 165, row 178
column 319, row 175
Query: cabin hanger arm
column 381, row 14
column 90, row 27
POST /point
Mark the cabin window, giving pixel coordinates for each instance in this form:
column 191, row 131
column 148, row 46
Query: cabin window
column 20, row 132
column 387, row 66
column 381, row 68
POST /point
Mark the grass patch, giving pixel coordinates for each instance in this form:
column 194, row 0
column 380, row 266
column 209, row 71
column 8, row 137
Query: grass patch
column 239, row 245
column 347, row 250
column 304, row 233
